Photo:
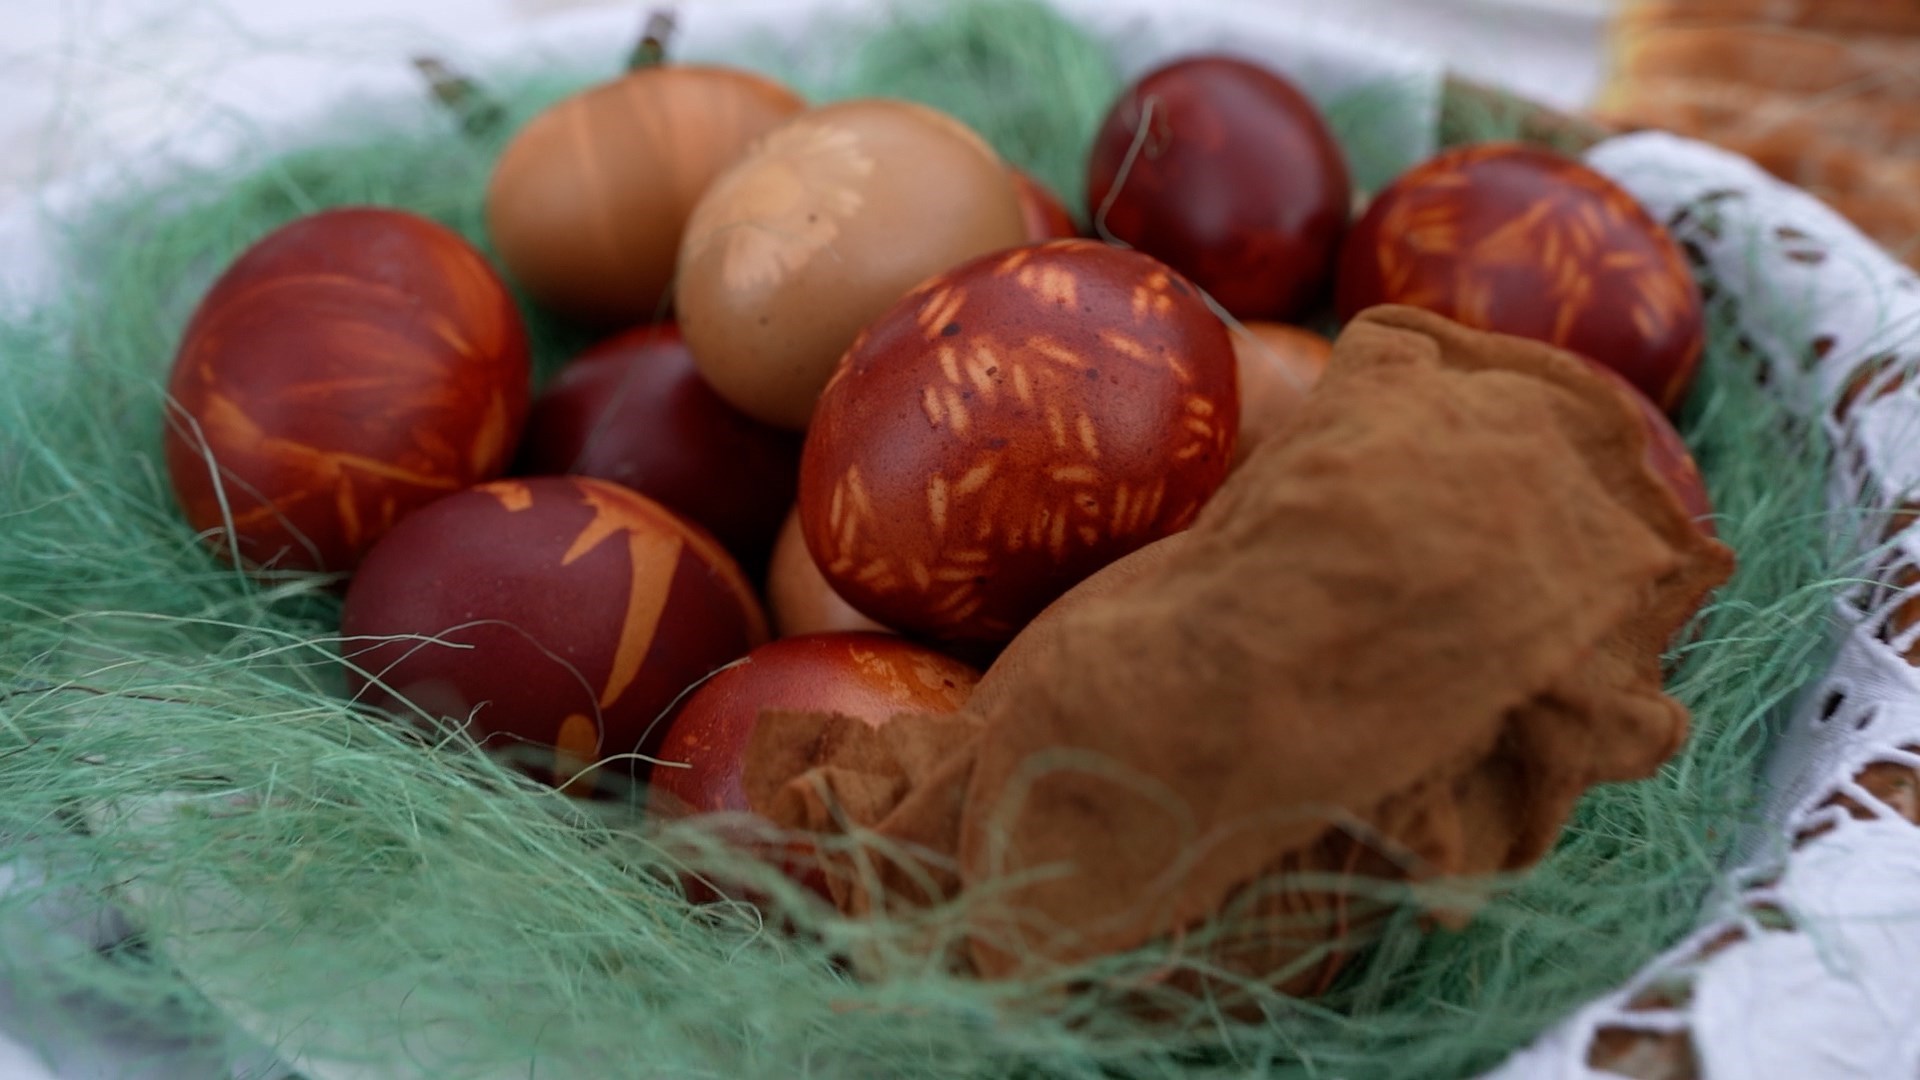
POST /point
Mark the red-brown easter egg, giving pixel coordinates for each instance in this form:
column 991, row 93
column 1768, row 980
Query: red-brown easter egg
column 1229, row 174
column 826, row 223
column 1011, row 427
column 633, row 410
column 587, row 203
column 348, row 368
column 871, row 677
column 562, row 615
column 1521, row 240
column 799, row 600
column 1279, row 365
column 1667, row 454
column 1046, row 216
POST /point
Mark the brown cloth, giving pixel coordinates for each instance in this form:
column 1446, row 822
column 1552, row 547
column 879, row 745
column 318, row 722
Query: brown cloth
column 1399, row 643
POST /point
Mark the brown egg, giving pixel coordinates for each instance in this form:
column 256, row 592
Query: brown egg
column 562, row 615
column 587, row 203
column 1278, row 365
column 871, row 677
column 798, row 597
column 1047, row 217
column 1011, row 427
column 632, row 410
column 347, row 369
column 1518, row 239
column 822, row 227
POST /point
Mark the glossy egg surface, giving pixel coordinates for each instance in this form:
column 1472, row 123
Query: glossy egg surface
column 1011, row 427
column 345, row 370
column 561, row 615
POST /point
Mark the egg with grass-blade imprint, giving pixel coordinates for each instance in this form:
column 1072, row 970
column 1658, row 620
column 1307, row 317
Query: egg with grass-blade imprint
column 561, row 616
column 632, row 409
column 1009, row 428
column 1524, row 241
column 587, row 203
column 871, row 677
column 1227, row 172
column 346, row 369
column 824, row 225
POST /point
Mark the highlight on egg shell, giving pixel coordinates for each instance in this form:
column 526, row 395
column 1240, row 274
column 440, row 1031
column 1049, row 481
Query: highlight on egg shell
column 1227, row 172
column 1011, row 427
column 588, row 202
column 871, row 677
column 632, row 409
column 346, row 369
column 559, row 616
column 829, row 220
column 1518, row 239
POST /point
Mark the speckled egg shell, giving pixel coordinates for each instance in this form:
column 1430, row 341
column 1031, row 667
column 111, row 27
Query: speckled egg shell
column 823, row 226
column 871, row 677
column 633, row 410
column 1011, row 427
column 1228, row 173
column 348, row 368
column 1518, row 239
column 570, row 613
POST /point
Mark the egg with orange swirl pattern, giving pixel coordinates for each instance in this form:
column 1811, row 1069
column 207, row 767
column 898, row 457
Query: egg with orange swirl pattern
column 1009, row 428
column 347, row 368
column 561, row 615
column 1521, row 240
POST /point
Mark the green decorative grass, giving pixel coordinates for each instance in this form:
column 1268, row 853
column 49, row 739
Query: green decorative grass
column 171, row 733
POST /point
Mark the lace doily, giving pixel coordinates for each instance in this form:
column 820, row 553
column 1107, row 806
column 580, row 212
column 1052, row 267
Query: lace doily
column 1807, row 963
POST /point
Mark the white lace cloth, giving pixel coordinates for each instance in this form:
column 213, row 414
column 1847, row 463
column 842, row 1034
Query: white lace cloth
column 1807, row 965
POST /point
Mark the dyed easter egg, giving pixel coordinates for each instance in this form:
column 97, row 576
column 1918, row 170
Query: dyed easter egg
column 1229, row 174
column 587, row 203
column 1667, row 454
column 824, row 225
column 1009, row 428
column 1517, row 239
column 1046, row 216
column 871, row 677
column 561, row 615
column 346, row 369
column 633, row 410
column 798, row 597
column 1279, row 365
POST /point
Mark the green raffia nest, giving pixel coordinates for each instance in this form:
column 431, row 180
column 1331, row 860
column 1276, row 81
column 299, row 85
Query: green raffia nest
column 368, row 886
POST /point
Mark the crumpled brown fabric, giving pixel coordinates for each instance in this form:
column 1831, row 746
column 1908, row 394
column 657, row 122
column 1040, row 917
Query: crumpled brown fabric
column 1397, row 645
